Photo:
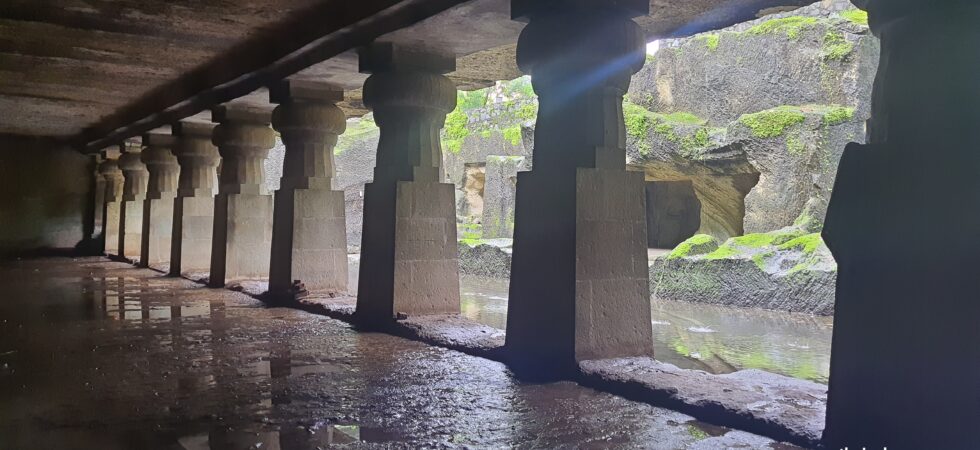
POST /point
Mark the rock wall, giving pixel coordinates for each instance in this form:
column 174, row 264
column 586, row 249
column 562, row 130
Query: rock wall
column 47, row 196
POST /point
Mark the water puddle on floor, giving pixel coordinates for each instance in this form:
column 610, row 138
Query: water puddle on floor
column 716, row 339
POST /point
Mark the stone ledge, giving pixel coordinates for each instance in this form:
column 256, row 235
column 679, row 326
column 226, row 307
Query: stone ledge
column 776, row 406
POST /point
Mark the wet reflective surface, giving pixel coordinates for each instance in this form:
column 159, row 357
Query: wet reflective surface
column 715, row 339
column 100, row 355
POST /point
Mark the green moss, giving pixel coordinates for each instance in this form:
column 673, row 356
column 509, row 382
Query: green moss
column 710, row 41
column 528, row 112
column 856, row 16
column 772, row 122
column 795, row 145
column 649, row 59
column 513, row 134
column 808, row 243
column 837, row 115
column 693, row 146
column 696, row 433
column 684, row 248
column 456, row 130
column 724, row 252
column 836, row 47
column 792, row 26
column 467, row 100
column 473, row 242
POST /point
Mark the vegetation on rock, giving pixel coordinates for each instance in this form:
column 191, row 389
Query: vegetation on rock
column 695, row 245
column 855, row 16
column 710, row 41
column 836, row 47
column 772, row 122
column 357, row 129
column 792, row 26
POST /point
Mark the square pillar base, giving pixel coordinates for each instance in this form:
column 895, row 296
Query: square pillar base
column 131, row 229
column 579, row 278
column 409, row 258
column 111, row 232
column 309, row 241
column 242, row 238
column 191, row 241
column 158, row 216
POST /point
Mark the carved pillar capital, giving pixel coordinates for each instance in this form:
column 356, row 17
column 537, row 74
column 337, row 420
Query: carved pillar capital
column 581, row 57
column 109, row 169
column 134, row 173
column 197, row 157
column 309, row 121
column 161, row 164
column 410, row 98
column 243, row 138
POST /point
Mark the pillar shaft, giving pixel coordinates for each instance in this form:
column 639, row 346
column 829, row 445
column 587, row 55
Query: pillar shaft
column 158, row 208
column 135, row 178
column 579, row 277
column 113, row 203
column 409, row 260
column 94, row 228
column 902, row 227
column 309, row 237
column 193, row 221
column 242, row 235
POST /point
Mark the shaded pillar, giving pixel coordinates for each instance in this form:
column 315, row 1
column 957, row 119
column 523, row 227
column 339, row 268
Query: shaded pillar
column 158, row 208
column 904, row 226
column 135, row 178
column 93, row 242
column 409, row 260
column 579, row 282
column 309, row 232
column 243, row 208
column 114, row 181
column 193, row 222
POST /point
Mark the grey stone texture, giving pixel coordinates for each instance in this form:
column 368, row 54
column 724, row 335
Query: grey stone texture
column 158, row 208
column 193, row 222
column 242, row 237
column 773, row 276
column 113, row 202
column 135, row 178
column 409, row 261
column 309, row 239
column 579, row 286
column 499, row 191
column 45, row 192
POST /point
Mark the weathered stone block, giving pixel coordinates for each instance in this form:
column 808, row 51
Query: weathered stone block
column 499, row 191
column 158, row 216
column 313, row 220
column 193, row 228
column 131, row 229
column 242, row 237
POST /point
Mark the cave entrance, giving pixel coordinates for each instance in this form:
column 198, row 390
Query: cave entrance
column 474, row 182
column 673, row 213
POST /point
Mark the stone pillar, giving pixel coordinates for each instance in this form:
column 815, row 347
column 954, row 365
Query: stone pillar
column 498, row 195
column 113, row 195
column 94, row 241
column 158, row 208
column 409, row 260
column 134, row 192
column 579, row 282
column 309, row 233
column 243, row 208
column 193, row 222
column 903, row 225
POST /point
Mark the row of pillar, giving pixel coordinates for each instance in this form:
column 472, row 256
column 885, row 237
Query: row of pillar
column 579, row 272
column 579, row 285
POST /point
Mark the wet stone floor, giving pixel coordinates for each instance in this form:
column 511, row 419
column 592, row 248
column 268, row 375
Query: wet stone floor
column 101, row 355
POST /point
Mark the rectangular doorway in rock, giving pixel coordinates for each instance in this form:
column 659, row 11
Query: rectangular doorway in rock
column 474, row 181
column 673, row 213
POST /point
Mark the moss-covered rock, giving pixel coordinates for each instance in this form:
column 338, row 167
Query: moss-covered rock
column 699, row 244
column 788, row 269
